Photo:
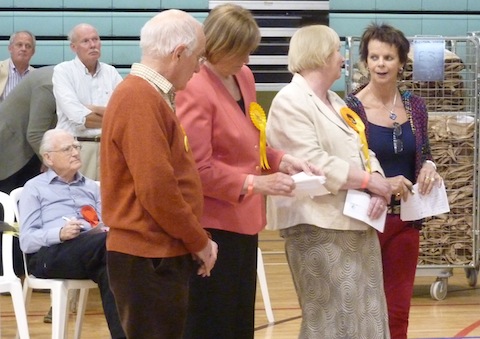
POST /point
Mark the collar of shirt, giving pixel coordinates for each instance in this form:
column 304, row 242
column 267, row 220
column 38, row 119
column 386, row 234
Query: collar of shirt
column 13, row 69
column 156, row 79
column 78, row 63
column 52, row 177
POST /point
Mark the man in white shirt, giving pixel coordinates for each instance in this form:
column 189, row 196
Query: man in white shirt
column 21, row 48
column 82, row 88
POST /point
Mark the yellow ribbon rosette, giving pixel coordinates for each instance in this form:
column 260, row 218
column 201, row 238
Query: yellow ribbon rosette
column 354, row 121
column 185, row 139
column 259, row 119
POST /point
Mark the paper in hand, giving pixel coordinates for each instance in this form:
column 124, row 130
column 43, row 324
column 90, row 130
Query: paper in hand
column 309, row 184
column 356, row 206
column 420, row 206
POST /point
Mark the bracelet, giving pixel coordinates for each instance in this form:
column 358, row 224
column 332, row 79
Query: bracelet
column 431, row 163
column 366, row 179
column 250, row 184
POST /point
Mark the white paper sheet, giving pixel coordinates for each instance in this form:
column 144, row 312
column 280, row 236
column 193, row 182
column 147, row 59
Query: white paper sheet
column 356, row 206
column 421, row 206
column 309, row 184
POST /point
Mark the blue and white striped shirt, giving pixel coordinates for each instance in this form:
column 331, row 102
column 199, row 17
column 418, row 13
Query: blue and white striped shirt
column 14, row 78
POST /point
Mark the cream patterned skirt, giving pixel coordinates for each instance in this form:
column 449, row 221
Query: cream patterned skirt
column 338, row 280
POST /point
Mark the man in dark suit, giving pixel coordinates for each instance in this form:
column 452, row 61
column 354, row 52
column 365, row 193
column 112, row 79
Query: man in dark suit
column 25, row 115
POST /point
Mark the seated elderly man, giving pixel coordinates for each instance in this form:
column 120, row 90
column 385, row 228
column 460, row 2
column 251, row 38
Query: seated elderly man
column 58, row 240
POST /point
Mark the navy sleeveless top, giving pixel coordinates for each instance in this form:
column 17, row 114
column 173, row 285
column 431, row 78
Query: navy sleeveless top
column 381, row 142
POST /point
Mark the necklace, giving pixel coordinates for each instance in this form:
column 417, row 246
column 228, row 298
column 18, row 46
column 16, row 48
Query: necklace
column 392, row 115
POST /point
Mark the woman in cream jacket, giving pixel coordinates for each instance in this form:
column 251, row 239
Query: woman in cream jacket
column 334, row 259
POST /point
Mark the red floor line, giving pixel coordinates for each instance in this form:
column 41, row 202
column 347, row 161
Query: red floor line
column 467, row 330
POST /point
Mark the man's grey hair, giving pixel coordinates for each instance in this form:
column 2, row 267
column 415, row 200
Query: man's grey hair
column 167, row 30
column 72, row 35
column 47, row 143
column 12, row 37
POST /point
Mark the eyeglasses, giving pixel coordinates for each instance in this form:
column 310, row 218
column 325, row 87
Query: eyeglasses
column 69, row 149
column 397, row 142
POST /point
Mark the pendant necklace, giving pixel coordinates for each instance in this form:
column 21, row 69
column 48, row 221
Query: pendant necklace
column 392, row 115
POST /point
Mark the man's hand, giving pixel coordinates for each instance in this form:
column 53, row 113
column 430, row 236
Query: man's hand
column 207, row 258
column 100, row 110
column 71, row 230
column 95, row 118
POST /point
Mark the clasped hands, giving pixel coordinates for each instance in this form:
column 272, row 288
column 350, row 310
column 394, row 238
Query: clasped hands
column 206, row 258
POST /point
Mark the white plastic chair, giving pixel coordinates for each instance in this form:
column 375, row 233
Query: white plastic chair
column 262, row 278
column 9, row 282
column 59, row 290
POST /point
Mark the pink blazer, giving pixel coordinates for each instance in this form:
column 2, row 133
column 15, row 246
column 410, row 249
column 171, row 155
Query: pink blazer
column 225, row 144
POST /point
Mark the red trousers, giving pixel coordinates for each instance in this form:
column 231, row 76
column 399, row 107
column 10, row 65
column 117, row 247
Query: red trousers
column 399, row 244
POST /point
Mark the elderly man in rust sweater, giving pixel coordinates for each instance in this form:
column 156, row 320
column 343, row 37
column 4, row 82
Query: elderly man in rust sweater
column 151, row 191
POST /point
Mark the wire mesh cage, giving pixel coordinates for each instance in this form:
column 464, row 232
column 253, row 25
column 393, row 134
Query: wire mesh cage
column 448, row 240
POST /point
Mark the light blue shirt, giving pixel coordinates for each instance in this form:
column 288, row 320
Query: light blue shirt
column 45, row 200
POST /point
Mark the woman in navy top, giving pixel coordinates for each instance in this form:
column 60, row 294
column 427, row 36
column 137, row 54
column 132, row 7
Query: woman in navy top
column 396, row 129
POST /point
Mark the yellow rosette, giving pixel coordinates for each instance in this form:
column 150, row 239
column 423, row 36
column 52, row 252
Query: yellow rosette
column 185, row 139
column 354, row 121
column 259, row 119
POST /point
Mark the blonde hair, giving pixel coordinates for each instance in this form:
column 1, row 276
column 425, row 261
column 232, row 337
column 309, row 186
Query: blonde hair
column 230, row 30
column 310, row 47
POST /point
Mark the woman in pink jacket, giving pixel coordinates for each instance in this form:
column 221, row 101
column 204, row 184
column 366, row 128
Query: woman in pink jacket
column 215, row 110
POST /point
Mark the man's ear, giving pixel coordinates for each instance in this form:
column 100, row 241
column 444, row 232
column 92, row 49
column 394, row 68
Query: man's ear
column 47, row 159
column 179, row 51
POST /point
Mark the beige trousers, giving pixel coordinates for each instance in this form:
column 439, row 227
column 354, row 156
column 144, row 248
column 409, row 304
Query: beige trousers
column 90, row 156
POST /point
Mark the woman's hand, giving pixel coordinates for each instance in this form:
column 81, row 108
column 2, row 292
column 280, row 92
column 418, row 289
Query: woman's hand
column 377, row 206
column 274, row 184
column 401, row 187
column 427, row 178
column 378, row 185
column 292, row 165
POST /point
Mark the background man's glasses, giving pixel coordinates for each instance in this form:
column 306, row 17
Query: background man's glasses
column 69, row 149
column 397, row 142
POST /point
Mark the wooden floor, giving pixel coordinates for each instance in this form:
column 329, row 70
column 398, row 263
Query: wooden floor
column 457, row 316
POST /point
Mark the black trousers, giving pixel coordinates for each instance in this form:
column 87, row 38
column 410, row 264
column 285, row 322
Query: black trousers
column 151, row 294
column 223, row 305
column 81, row 258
